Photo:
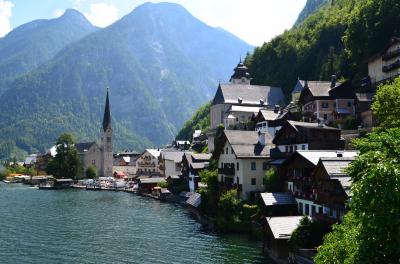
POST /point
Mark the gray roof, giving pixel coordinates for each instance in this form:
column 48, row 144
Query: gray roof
column 270, row 115
column 320, row 89
column 298, row 87
column 152, row 180
column 365, row 97
column 201, row 156
column 175, row 156
column 314, row 155
column 82, row 147
column 336, row 166
column 282, row 227
column 308, row 125
column 271, row 199
column 194, row 200
column 252, row 94
column 246, row 143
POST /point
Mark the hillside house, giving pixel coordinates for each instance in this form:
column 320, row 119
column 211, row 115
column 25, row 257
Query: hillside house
column 171, row 163
column 385, row 65
column 271, row 120
column 327, row 101
column 305, row 136
column 148, row 163
column 310, row 186
column 235, row 103
column 192, row 164
column 243, row 161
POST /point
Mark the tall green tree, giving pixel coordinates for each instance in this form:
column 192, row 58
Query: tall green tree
column 272, row 183
column 66, row 162
column 370, row 233
column 386, row 104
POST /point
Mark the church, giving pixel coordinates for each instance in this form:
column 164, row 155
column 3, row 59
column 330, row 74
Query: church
column 99, row 157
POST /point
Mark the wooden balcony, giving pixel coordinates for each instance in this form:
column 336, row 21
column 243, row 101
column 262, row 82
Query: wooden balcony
column 226, row 171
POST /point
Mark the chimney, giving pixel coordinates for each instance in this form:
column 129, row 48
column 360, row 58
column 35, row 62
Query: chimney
column 261, row 138
column 306, row 84
column 333, row 81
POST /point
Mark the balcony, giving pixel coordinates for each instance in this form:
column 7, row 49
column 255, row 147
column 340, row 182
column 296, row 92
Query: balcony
column 392, row 54
column 226, row 171
column 146, row 164
column 391, row 67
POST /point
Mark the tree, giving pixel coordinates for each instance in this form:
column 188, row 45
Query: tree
column 229, row 204
column 308, row 234
column 386, row 105
column 66, row 162
column 272, row 183
column 371, row 231
column 91, row 172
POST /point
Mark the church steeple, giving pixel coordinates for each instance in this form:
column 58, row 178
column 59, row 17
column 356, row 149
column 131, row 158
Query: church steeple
column 241, row 74
column 107, row 114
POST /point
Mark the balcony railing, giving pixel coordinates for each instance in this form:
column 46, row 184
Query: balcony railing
column 226, row 171
column 391, row 67
column 389, row 55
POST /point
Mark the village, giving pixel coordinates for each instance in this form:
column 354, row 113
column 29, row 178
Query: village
column 305, row 146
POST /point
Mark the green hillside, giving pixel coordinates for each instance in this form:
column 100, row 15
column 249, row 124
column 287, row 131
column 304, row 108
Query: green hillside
column 33, row 44
column 199, row 121
column 337, row 39
column 160, row 63
column 310, row 7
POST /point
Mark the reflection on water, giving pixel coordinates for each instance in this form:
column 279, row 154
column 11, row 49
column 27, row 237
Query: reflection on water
column 106, row 227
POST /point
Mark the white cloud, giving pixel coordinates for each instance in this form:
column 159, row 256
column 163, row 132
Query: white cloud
column 102, row 14
column 5, row 14
column 58, row 12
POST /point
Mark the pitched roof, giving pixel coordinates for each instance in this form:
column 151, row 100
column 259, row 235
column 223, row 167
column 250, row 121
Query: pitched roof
column 320, row 88
column 154, row 152
column 245, row 109
column 305, row 125
column 282, row 227
column 299, row 86
column 107, row 114
column 314, row 155
column 194, row 200
column 336, row 166
column 82, row 147
column 271, row 199
column 365, row 97
column 245, row 144
column 269, row 114
column 249, row 94
column 152, row 180
column 175, row 156
column 201, row 156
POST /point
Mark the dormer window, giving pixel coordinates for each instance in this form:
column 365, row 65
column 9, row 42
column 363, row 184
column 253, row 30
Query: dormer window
column 240, row 100
column 261, row 101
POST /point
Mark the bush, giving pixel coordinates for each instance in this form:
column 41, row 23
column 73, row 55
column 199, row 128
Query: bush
column 91, row 172
column 229, row 204
column 309, row 234
column 350, row 122
column 248, row 211
column 272, row 183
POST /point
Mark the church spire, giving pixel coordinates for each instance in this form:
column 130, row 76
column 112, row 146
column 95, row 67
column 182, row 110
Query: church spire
column 107, row 114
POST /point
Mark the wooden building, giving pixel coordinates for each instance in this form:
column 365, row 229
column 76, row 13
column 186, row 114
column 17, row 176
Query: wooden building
column 192, row 164
column 305, row 136
column 277, row 232
column 146, row 185
column 278, row 204
column 327, row 102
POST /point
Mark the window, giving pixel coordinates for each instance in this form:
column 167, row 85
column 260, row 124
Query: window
column 231, row 150
column 287, row 149
column 325, row 116
column 320, row 210
column 226, row 150
column 108, row 139
column 313, row 210
column 325, row 105
column 291, row 148
column 237, row 166
column 300, row 208
column 295, row 148
column 253, row 166
column 307, row 210
column 349, row 104
column 253, row 181
column 93, row 162
column 303, row 147
column 265, row 165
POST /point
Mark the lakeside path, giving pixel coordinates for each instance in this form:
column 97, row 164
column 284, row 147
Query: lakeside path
column 72, row 226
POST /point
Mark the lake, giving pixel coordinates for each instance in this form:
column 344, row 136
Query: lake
column 78, row 226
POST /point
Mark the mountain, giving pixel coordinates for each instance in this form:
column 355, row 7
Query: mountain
column 32, row 44
column 160, row 63
column 310, row 7
column 336, row 39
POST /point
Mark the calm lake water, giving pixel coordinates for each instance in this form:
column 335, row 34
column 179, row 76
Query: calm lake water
column 75, row 226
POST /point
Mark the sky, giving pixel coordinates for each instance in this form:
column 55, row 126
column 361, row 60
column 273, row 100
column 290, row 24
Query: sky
column 254, row 21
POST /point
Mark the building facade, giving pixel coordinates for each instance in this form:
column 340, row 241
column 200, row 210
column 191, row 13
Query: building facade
column 148, row 163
